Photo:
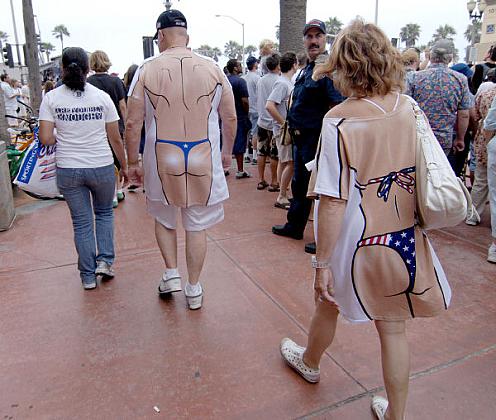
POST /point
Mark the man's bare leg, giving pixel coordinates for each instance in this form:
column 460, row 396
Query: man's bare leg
column 167, row 242
column 273, row 171
column 261, row 167
column 196, row 249
column 285, row 179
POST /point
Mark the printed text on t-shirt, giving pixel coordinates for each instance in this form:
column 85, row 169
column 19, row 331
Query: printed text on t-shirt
column 79, row 113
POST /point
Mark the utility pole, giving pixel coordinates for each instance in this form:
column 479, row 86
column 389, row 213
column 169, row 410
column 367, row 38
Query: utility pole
column 15, row 33
column 32, row 56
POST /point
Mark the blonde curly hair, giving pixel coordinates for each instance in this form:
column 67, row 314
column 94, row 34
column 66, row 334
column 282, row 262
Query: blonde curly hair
column 363, row 62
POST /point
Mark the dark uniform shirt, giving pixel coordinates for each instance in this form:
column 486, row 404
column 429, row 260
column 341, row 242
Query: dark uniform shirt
column 311, row 100
column 240, row 90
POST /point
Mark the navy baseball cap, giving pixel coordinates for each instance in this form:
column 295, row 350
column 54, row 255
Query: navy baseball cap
column 170, row 19
column 315, row 23
column 251, row 60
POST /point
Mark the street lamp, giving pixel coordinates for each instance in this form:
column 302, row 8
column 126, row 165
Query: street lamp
column 476, row 14
column 475, row 11
column 243, row 46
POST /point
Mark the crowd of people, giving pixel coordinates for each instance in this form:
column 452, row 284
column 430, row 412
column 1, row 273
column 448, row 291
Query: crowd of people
column 338, row 132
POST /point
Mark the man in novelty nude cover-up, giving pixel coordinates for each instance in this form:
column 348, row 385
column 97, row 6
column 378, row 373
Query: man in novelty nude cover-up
column 181, row 97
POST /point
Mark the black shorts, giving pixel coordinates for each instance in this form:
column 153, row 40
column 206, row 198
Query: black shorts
column 266, row 144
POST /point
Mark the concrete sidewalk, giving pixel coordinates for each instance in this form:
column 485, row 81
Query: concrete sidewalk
column 118, row 351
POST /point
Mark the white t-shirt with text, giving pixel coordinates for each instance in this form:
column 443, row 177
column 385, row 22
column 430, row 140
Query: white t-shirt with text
column 80, row 119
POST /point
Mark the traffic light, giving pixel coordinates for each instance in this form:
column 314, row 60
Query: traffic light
column 8, row 58
column 148, row 50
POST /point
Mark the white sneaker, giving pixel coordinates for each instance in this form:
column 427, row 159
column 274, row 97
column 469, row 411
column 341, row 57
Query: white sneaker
column 194, row 302
column 473, row 219
column 89, row 284
column 379, row 406
column 105, row 270
column 171, row 285
column 292, row 354
column 491, row 253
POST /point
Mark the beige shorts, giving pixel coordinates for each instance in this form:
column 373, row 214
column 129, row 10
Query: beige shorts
column 285, row 152
column 194, row 218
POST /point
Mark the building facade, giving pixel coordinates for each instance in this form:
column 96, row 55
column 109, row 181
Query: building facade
column 488, row 30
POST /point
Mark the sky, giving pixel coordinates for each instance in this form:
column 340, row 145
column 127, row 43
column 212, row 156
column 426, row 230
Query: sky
column 117, row 26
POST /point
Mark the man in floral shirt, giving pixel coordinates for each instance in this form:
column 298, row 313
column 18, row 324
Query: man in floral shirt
column 444, row 96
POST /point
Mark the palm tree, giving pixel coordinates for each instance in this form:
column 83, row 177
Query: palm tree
column 475, row 30
column 293, row 16
column 233, row 50
column 3, row 37
column 409, row 34
column 208, row 51
column 250, row 50
column 47, row 48
column 444, row 32
column 59, row 32
column 333, row 26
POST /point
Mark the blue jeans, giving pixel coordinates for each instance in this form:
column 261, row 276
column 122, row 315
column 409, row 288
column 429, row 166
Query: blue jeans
column 88, row 192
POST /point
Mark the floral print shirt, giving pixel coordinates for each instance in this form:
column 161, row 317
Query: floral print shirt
column 440, row 93
column 483, row 102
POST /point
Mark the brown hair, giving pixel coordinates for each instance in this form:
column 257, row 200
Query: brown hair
column 99, row 61
column 49, row 86
column 363, row 62
column 409, row 57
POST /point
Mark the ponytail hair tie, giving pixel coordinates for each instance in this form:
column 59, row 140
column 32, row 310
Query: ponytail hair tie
column 72, row 65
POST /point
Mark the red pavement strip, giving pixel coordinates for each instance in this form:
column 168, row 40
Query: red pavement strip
column 120, row 351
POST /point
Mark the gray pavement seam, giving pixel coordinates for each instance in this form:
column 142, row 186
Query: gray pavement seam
column 461, row 238
column 285, row 311
column 373, row 391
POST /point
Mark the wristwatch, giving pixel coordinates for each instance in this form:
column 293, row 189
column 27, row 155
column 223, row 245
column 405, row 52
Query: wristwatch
column 319, row 264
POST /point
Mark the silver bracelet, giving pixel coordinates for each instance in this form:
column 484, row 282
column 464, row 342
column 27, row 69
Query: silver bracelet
column 319, row 264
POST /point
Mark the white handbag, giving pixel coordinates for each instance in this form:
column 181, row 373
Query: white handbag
column 442, row 198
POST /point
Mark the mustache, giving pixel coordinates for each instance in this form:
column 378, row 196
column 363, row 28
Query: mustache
column 314, row 46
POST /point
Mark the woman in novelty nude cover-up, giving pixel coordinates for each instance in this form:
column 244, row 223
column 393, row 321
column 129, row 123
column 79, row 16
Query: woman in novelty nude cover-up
column 372, row 261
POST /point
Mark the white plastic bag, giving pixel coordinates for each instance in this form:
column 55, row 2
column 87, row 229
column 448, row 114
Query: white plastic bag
column 38, row 171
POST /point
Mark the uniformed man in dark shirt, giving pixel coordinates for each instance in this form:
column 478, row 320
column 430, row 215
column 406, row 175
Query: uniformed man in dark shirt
column 311, row 101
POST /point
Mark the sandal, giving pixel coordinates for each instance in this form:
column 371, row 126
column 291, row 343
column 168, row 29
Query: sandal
column 262, row 185
column 274, row 188
column 283, row 205
column 292, row 354
column 379, row 406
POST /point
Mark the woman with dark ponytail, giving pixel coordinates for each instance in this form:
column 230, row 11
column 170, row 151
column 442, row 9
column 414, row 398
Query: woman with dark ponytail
column 86, row 121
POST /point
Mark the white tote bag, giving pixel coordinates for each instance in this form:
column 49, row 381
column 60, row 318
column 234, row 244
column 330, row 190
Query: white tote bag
column 38, row 171
column 442, row 198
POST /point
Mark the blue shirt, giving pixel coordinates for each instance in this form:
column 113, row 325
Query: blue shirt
column 240, row 90
column 311, row 100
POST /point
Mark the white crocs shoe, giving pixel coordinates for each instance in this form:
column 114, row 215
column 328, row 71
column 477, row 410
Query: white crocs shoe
column 292, row 354
column 379, row 406
column 171, row 285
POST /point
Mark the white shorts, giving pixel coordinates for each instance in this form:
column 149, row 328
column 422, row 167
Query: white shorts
column 285, row 152
column 194, row 218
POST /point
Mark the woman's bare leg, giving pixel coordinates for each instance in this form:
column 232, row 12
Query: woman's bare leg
column 322, row 330
column 395, row 366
